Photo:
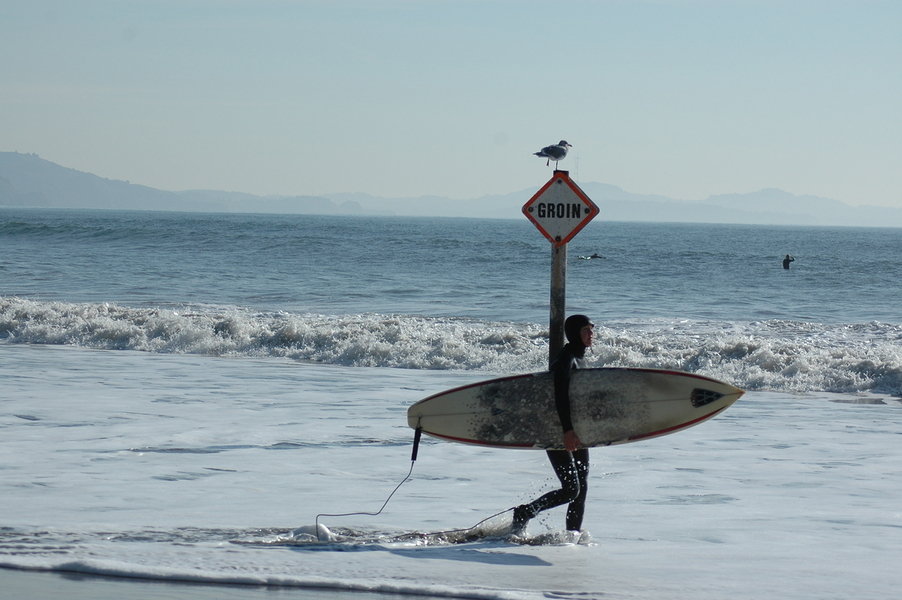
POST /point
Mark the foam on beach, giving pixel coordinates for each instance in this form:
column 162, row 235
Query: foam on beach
column 781, row 355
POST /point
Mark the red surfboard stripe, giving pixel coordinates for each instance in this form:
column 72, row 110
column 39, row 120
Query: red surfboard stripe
column 678, row 427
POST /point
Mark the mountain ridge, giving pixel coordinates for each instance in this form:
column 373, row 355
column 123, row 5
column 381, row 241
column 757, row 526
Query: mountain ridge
column 27, row 180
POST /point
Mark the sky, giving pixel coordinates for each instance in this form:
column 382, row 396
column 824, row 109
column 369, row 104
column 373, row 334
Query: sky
column 402, row 98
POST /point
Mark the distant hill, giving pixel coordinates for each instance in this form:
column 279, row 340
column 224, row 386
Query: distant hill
column 765, row 207
column 29, row 181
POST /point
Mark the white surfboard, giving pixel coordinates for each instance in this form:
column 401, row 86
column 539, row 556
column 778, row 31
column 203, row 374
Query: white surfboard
column 608, row 406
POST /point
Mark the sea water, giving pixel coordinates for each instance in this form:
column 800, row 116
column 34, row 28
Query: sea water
column 185, row 396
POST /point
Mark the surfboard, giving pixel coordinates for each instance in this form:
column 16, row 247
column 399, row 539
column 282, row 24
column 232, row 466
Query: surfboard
column 609, row 406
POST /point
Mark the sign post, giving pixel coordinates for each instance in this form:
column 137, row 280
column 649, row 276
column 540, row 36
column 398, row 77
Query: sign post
column 558, row 301
column 559, row 210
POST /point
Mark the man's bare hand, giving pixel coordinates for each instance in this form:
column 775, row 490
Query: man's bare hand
column 572, row 441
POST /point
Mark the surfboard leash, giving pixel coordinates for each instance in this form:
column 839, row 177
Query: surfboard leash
column 413, row 459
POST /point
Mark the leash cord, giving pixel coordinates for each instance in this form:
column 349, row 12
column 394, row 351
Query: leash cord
column 413, row 459
column 370, row 514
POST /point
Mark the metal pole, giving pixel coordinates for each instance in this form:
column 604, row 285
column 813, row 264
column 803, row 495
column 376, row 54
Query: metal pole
column 558, row 301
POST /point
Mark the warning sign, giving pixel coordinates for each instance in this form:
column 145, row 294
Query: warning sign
column 560, row 209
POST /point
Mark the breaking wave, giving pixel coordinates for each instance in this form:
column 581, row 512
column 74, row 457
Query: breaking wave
column 776, row 355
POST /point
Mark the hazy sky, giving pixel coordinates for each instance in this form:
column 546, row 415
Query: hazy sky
column 684, row 98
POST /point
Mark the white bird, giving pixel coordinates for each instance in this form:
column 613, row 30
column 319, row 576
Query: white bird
column 554, row 153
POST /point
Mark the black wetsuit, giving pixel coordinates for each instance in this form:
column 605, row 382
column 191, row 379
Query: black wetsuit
column 572, row 468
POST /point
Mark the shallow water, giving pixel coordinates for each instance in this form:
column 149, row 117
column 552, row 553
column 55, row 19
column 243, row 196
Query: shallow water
column 188, row 468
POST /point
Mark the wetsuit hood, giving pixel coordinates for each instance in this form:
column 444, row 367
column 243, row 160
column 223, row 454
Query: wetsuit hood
column 572, row 327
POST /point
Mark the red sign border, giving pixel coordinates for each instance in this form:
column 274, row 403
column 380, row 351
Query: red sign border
column 565, row 177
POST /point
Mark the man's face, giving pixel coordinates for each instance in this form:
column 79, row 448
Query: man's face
column 585, row 335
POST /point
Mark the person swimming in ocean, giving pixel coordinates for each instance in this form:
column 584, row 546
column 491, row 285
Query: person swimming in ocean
column 787, row 260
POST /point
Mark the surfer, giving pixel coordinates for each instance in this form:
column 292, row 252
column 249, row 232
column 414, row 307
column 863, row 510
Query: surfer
column 787, row 260
column 571, row 465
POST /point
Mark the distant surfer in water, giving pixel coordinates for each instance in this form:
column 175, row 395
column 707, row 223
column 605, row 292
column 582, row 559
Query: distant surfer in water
column 571, row 465
column 787, row 260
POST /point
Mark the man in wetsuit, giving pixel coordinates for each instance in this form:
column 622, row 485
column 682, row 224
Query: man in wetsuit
column 571, row 465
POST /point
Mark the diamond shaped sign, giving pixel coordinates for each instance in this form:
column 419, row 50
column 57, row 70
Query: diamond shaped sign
column 560, row 209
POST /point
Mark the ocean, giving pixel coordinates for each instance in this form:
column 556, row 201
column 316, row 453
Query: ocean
column 183, row 394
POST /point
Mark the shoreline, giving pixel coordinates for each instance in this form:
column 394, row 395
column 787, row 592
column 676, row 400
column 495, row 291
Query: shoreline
column 41, row 584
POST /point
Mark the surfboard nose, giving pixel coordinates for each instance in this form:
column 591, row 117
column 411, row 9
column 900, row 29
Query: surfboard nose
column 703, row 396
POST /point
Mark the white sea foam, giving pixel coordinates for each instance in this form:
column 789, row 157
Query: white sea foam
column 760, row 355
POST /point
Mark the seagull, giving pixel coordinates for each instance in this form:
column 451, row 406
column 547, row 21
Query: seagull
column 554, row 153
